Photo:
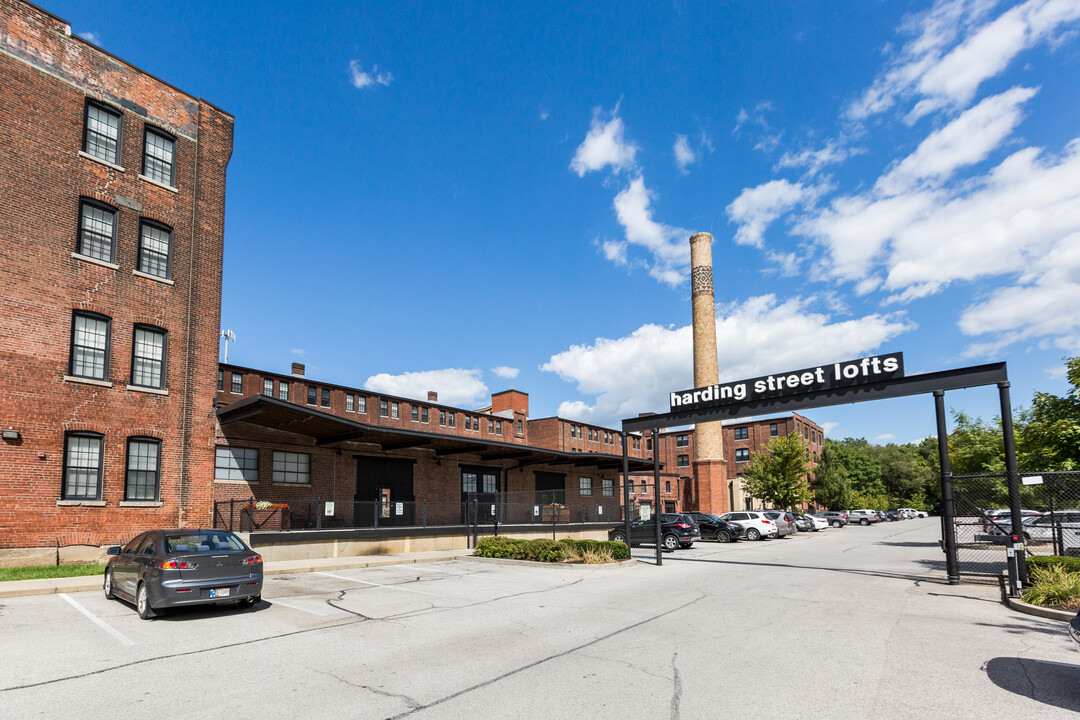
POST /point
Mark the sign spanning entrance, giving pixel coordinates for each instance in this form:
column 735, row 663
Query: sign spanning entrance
column 823, row 377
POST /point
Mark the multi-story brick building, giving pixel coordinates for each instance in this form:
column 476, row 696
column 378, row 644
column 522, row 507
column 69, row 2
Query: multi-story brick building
column 110, row 258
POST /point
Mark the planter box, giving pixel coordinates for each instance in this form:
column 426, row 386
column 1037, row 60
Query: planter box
column 272, row 519
column 555, row 513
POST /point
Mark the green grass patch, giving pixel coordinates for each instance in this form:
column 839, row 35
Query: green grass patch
column 39, row 572
column 1053, row 585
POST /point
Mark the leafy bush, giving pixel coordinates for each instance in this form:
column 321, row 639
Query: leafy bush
column 544, row 550
column 1070, row 564
column 1053, row 585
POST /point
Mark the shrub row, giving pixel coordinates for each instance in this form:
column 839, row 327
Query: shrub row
column 1070, row 564
column 544, row 550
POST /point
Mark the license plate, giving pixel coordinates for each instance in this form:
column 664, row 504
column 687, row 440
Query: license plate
column 219, row 593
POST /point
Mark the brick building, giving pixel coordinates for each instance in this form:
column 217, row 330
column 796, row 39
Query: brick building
column 110, row 258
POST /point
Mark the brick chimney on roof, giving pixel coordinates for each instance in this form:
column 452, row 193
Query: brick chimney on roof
column 298, row 369
column 432, row 396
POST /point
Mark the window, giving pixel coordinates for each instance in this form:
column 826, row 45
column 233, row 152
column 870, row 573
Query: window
column 585, row 485
column 294, row 468
column 312, row 395
column 468, row 422
column 384, row 409
column 237, row 383
column 442, row 417
column 220, row 380
column 805, row 432
column 491, row 427
column 101, row 132
column 415, row 414
column 234, row 463
column 90, row 346
column 82, row 466
column 97, row 230
column 682, row 440
column 773, row 430
column 361, row 404
column 742, row 455
column 348, row 402
column 394, row 410
column 648, row 444
column 450, row 419
column 423, row 415
column 667, row 486
column 143, row 469
column 742, row 433
column 682, row 461
column 268, row 387
column 326, row 397
column 283, row 390
column 520, row 429
column 159, row 149
column 631, row 484
column 148, row 357
column 637, row 442
column 498, row 427
column 155, row 243
column 609, row 487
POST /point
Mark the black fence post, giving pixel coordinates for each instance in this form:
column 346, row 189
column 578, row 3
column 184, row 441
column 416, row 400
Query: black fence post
column 231, row 501
column 318, row 513
column 425, row 513
column 1014, row 483
column 948, row 519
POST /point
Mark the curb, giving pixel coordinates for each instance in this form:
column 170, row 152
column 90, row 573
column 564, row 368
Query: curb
column 533, row 563
column 1038, row 611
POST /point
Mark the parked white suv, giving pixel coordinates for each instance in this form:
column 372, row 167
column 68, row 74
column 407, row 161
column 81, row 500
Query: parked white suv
column 863, row 517
column 757, row 525
column 914, row 512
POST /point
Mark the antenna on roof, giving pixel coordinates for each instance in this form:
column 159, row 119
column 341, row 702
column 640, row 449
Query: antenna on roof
column 228, row 335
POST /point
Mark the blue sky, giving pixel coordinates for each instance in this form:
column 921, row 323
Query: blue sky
column 464, row 197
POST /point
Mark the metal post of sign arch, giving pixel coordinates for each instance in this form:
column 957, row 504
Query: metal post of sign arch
column 873, row 378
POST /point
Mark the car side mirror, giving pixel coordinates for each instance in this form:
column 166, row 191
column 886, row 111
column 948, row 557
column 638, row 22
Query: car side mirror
column 114, row 550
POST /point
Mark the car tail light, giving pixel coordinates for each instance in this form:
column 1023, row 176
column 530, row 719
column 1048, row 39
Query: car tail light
column 684, row 526
column 767, row 522
column 253, row 559
column 177, row 565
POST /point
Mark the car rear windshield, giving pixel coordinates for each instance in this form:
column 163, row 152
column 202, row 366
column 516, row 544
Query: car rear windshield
column 202, row 542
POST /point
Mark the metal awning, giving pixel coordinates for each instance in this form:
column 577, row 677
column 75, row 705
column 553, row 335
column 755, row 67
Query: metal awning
column 329, row 429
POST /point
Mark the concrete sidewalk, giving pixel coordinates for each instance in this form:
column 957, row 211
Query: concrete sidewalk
column 19, row 588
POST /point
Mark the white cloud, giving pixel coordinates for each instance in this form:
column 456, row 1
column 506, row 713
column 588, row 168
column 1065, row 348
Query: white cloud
column 669, row 246
column 954, row 50
column 456, row 386
column 635, row 373
column 362, row 79
column 90, row 36
column 887, row 437
column 833, row 153
column 604, row 145
column 544, row 114
column 757, row 207
column 506, row 372
column 684, row 154
column 965, row 141
column 828, row 427
column 298, row 351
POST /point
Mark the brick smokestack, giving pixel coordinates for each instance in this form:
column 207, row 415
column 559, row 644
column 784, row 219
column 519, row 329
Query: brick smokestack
column 709, row 467
column 298, row 369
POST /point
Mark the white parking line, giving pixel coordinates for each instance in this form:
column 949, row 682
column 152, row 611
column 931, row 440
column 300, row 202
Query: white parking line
column 418, row 566
column 295, row 607
column 97, row 621
column 365, row 582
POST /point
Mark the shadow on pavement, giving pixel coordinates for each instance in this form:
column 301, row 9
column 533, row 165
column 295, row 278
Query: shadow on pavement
column 911, row 544
column 1050, row 683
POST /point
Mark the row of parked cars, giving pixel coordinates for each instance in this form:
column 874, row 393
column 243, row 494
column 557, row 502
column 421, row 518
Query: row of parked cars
column 1039, row 527
column 684, row 529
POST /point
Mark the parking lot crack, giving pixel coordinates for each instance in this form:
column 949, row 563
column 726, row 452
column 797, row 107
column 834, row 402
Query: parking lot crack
column 676, row 692
column 409, row 702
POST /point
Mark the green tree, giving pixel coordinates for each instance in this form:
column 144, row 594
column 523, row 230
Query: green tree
column 1048, row 435
column 975, row 446
column 904, row 471
column 830, row 484
column 863, row 471
column 777, row 476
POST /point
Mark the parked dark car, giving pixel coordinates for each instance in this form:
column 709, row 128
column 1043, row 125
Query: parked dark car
column 893, row 516
column 676, row 530
column 714, row 528
column 835, row 517
column 162, row 569
column 1074, row 629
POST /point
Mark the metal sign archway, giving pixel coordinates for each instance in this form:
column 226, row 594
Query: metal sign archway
column 928, row 383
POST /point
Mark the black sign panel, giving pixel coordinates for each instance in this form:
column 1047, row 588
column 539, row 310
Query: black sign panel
column 823, row 377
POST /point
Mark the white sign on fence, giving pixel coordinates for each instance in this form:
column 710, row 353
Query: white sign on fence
column 536, row 510
column 1033, row 480
column 399, row 508
column 329, row 509
column 599, row 509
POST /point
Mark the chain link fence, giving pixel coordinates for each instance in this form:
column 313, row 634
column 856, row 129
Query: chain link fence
column 1050, row 511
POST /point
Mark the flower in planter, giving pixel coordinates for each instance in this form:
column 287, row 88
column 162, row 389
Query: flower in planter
column 267, row 505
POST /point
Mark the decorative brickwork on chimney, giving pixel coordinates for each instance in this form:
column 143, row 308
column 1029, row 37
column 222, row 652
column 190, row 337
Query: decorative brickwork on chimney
column 298, row 369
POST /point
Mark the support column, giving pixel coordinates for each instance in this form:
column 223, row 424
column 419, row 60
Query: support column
column 1014, row 483
column 948, row 524
column 710, row 471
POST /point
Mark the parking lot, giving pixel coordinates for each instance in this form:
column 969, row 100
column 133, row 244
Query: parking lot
column 814, row 624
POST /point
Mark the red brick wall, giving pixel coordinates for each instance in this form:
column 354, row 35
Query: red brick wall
column 47, row 77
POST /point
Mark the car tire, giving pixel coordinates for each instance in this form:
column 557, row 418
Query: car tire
column 753, row 534
column 109, row 594
column 142, row 602
column 618, row 537
column 836, row 523
column 670, row 543
column 723, row 536
column 864, row 522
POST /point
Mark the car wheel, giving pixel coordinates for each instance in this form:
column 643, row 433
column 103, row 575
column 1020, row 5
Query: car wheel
column 753, row 534
column 109, row 595
column 864, row 521
column 142, row 602
column 670, row 543
column 835, row 523
column 723, row 536
column 618, row 537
